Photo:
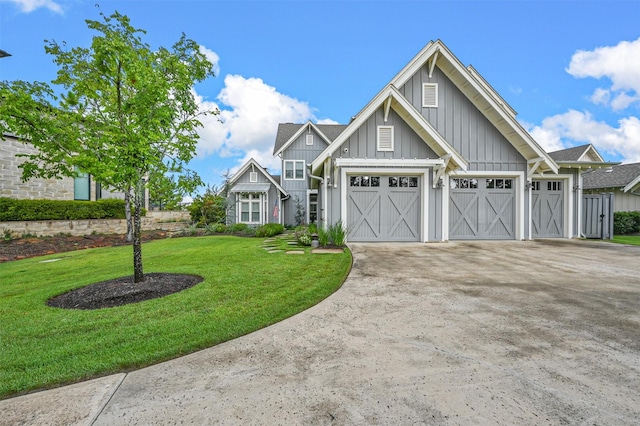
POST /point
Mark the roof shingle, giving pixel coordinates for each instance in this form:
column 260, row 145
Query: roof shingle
column 612, row 177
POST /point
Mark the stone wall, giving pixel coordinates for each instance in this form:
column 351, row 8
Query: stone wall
column 11, row 184
column 166, row 221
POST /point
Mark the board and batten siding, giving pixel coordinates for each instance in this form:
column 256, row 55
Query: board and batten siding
column 232, row 198
column 622, row 201
column 463, row 126
column 299, row 150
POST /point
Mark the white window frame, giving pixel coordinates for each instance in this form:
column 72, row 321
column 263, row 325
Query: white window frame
column 311, row 192
column 253, row 177
column 426, row 86
column 391, row 142
column 250, row 201
column 297, row 164
column 309, row 139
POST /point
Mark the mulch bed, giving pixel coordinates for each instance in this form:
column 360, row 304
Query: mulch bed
column 122, row 291
column 106, row 294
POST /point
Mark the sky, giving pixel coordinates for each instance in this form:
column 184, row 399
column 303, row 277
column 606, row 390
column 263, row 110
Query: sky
column 571, row 69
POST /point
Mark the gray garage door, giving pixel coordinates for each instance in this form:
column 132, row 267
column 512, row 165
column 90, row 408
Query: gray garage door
column 383, row 208
column 547, row 209
column 482, row 209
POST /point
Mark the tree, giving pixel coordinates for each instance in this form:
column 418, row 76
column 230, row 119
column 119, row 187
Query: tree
column 167, row 192
column 126, row 112
column 210, row 207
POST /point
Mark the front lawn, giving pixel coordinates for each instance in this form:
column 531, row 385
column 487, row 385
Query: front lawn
column 627, row 239
column 244, row 289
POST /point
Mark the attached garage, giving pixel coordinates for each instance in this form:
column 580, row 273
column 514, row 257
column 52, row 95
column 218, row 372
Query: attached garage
column 383, row 208
column 482, row 209
column 547, row 211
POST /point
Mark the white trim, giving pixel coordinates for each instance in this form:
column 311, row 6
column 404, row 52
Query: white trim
column 245, row 167
column 568, row 200
column 308, row 219
column 519, row 181
column 253, row 177
column 388, row 162
column 284, row 169
column 296, row 135
column 630, row 186
column 308, row 139
column 250, row 201
column 388, row 138
column 424, row 202
column 433, row 86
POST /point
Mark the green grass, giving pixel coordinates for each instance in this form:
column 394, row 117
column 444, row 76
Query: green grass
column 627, row 239
column 245, row 289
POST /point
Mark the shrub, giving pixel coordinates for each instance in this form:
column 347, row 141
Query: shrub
column 269, row 230
column 323, row 237
column 626, row 222
column 208, row 208
column 337, row 233
column 237, row 228
column 14, row 210
column 191, row 230
column 303, row 236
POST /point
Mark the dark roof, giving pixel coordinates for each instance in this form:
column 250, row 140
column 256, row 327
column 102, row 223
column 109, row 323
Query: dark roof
column 276, row 178
column 287, row 130
column 611, row 177
column 569, row 154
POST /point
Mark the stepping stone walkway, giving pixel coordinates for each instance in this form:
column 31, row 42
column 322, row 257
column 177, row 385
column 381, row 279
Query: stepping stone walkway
column 272, row 245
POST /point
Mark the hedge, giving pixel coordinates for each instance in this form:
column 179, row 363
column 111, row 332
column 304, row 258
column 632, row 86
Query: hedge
column 626, row 223
column 14, row 210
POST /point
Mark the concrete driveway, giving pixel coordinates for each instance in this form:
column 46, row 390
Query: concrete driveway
column 544, row 332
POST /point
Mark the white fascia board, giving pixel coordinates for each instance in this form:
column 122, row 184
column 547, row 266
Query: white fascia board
column 488, row 94
column 246, row 166
column 591, row 149
column 297, row 134
column 387, row 162
column 633, row 184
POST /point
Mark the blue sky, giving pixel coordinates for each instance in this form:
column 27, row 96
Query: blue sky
column 571, row 69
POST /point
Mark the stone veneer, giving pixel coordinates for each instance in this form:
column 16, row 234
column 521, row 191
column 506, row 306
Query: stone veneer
column 166, row 221
column 11, row 184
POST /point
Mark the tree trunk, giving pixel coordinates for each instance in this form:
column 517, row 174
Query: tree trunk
column 127, row 215
column 138, row 275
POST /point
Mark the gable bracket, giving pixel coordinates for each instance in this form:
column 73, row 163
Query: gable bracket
column 533, row 166
column 438, row 171
column 432, row 65
column 387, row 108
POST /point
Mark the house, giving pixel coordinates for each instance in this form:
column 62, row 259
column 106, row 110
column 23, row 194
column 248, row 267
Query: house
column 623, row 180
column 436, row 155
column 254, row 196
column 82, row 187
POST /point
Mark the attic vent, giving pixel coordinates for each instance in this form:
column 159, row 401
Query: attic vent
column 310, row 139
column 385, row 138
column 609, row 170
column 429, row 95
column 253, row 177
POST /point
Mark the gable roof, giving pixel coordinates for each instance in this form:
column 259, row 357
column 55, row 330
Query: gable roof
column 482, row 95
column 259, row 168
column 577, row 153
column 617, row 176
column 390, row 97
column 288, row 132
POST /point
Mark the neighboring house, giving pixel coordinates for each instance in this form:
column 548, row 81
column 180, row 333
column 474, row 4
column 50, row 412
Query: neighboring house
column 623, row 180
column 66, row 188
column 436, row 155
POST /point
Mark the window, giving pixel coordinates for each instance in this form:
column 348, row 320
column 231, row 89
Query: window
column 250, row 207
column 312, row 208
column 465, row 183
column 535, row 185
column 294, row 169
column 81, row 186
column 403, row 182
column 309, row 139
column 499, row 183
column 554, row 185
column 429, row 95
column 367, row 181
column 385, row 138
column 253, row 177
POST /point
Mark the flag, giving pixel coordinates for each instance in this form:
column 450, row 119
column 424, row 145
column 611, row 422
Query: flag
column 275, row 209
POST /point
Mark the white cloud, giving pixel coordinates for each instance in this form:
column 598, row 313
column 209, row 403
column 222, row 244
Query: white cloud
column 250, row 111
column 28, row 6
column 212, row 57
column 620, row 64
column 574, row 128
